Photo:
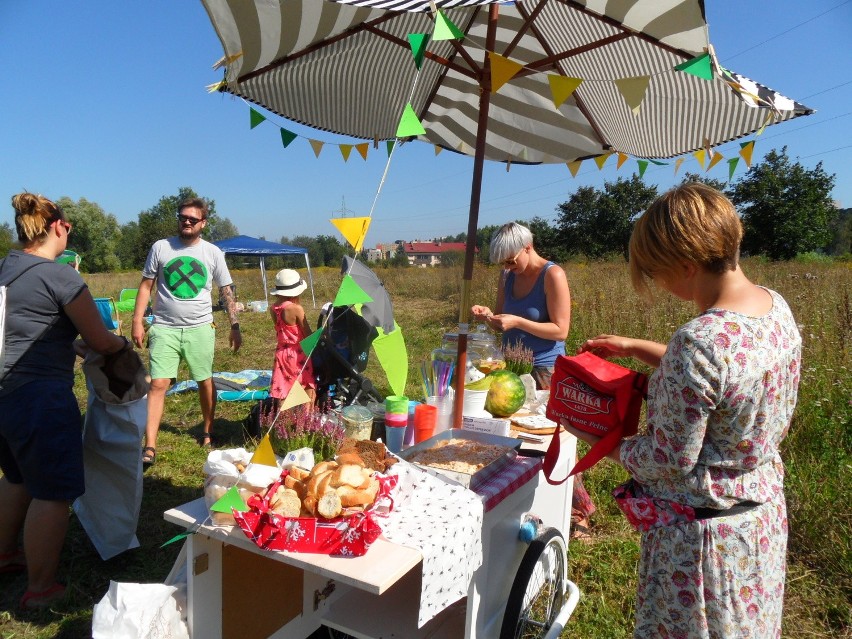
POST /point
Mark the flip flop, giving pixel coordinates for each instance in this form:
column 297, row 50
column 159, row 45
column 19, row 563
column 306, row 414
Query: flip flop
column 581, row 533
column 149, row 456
column 41, row 600
column 12, row 562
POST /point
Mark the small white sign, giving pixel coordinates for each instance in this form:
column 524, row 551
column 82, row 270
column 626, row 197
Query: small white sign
column 486, row 425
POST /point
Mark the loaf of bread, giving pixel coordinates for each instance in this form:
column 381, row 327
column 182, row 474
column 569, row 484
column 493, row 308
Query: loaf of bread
column 285, row 502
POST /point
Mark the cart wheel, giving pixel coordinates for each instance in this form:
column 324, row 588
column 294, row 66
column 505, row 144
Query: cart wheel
column 538, row 591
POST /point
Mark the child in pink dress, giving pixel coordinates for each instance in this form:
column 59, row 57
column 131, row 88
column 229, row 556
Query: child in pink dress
column 291, row 327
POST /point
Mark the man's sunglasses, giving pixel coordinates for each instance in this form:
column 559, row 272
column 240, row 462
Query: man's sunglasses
column 183, row 219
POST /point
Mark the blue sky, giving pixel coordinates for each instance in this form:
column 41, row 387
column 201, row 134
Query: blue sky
column 106, row 101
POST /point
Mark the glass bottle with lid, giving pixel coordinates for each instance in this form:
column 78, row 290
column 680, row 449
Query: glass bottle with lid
column 483, row 353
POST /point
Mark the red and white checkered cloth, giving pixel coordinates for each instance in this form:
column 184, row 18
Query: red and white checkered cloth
column 511, row 477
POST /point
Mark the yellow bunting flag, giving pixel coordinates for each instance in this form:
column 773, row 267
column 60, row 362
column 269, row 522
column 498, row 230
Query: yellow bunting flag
column 732, row 166
column 350, row 293
column 438, row 149
column 409, row 124
column 561, row 88
column 600, row 160
column 643, row 164
column 633, row 91
column 445, row 29
column 227, row 59
column 216, row 86
column 574, row 167
column 345, row 150
column 296, row 397
column 678, row 162
column 766, row 121
column 715, row 159
column 316, row 145
column 255, row 117
column 362, row 149
column 264, row 454
column 502, row 70
column 746, row 149
column 354, row 229
column 287, row 137
column 230, row 500
column 622, row 158
column 701, row 156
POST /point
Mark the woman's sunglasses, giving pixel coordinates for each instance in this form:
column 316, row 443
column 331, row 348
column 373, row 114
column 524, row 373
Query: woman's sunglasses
column 512, row 260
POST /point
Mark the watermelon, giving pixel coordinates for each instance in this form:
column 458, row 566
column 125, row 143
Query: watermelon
column 506, row 393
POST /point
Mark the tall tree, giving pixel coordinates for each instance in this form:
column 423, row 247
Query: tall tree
column 786, row 209
column 7, row 238
column 841, row 241
column 546, row 239
column 96, row 235
column 719, row 185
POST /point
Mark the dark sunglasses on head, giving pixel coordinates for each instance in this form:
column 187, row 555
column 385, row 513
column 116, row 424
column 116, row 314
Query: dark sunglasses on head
column 183, row 219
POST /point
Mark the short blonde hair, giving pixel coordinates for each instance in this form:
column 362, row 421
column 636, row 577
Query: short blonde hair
column 33, row 215
column 692, row 223
column 508, row 242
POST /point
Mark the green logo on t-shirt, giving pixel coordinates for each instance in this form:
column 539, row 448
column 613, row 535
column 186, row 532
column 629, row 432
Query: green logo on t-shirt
column 185, row 277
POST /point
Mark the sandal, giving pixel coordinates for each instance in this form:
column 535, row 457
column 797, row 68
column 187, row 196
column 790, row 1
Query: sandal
column 149, row 456
column 206, row 440
column 12, row 562
column 580, row 532
column 41, row 600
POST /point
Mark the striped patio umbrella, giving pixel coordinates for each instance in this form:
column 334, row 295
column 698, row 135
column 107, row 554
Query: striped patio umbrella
column 502, row 90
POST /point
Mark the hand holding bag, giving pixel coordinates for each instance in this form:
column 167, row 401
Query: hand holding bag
column 596, row 396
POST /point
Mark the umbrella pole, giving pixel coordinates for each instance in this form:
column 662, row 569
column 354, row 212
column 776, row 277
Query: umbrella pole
column 473, row 217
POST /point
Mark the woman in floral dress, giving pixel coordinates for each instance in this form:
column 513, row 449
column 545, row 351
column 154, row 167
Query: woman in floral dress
column 707, row 481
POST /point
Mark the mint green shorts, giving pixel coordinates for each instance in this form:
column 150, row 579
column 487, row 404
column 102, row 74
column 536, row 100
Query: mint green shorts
column 168, row 345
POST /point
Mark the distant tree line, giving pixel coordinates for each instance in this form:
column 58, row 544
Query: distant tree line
column 786, row 211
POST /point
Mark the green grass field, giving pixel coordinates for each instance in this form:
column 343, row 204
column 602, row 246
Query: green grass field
column 818, row 451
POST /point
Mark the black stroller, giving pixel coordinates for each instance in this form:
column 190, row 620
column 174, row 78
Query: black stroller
column 342, row 352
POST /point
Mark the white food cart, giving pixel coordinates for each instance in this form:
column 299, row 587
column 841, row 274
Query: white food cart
column 235, row 589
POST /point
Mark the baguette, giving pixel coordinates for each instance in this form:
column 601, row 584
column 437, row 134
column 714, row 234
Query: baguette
column 329, row 505
column 286, row 502
column 299, row 486
column 347, row 474
column 323, row 466
column 350, row 458
column 350, row 496
column 299, row 474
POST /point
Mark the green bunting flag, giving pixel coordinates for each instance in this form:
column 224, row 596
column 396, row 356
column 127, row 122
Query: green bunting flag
column 643, row 164
column 445, row 29
column 255, row 117
column 230, row 500
column 350, row 293
column 310, row 342
column 178, row 537
column 410, row 124
column 389, row 144
column 732, row 166
column 287, row 137
column 393, row 357
column 418, row 42
column 700, row 67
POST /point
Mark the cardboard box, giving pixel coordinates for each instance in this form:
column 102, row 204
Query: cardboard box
column 491, row 426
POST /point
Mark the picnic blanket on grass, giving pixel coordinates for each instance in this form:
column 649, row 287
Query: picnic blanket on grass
column 233, row 387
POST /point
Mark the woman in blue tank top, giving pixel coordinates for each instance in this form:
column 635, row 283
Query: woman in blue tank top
column 534, row 310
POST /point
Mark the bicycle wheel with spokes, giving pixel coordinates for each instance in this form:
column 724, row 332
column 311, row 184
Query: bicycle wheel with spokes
column 538, row 591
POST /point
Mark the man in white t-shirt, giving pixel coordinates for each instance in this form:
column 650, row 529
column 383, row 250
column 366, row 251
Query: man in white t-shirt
column 184, row 268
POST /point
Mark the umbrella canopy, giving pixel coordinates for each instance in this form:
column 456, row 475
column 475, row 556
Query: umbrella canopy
column 379, row 312
column 497, row 91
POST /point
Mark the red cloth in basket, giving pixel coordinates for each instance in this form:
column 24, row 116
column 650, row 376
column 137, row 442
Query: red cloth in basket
column 349, row 536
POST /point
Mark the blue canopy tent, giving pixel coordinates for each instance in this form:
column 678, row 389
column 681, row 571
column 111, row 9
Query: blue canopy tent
column 253, row 247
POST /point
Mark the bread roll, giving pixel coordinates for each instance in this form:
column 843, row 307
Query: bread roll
column 329, row 505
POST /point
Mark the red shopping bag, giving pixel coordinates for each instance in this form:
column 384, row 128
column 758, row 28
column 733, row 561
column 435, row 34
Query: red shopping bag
column 596, row 396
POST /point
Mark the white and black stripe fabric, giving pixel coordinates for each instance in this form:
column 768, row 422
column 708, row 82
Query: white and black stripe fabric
column 349, row 70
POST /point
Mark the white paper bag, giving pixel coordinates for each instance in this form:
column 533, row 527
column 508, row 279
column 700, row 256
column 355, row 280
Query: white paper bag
column 140, row 611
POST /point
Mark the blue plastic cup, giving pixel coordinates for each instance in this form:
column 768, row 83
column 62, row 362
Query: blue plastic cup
column 394, row 436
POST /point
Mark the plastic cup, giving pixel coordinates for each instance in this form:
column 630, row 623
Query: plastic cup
column 397, row 404
column 474, row 402
column 394, row 436
column 444, row 404
column 409, row 428
column 425, row 417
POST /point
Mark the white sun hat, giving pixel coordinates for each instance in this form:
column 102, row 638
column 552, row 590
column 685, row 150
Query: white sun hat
column 288, row 283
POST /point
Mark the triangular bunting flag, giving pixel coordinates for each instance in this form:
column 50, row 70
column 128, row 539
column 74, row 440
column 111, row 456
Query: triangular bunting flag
column 732, row 166
column 409, row 124
column 502, row 70
column 658, row 162
column 350, row 293
column 561, row 88
column 769, row 116
column 227, row 59
column 643, row 164
column 263, row 454
column 287, row 137
column 701, row 156
column 678, row 162
column 345, row 150
column 230, row 500
column 216, row 86
column 717, row 157
column 445, row 29
column 633, row 91
column 178, row 537
column 362, row 149
column 418, row 42
column 316, row 145
column 354, row 229
column 310, row 342
column 600, row 160
column 700, row 66
column 296, row 397
column 622, row 158
column 438, row 149
column 574, row 166
column 389, row 145
column 746, row 149
column 255, row 117
column 393, row 357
